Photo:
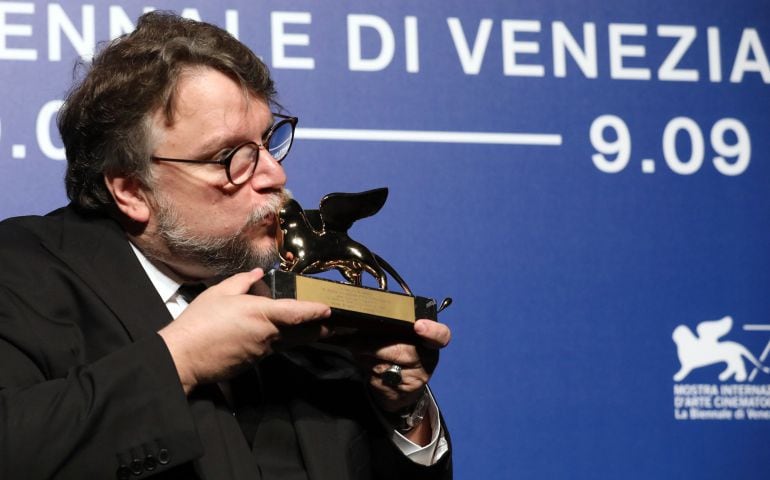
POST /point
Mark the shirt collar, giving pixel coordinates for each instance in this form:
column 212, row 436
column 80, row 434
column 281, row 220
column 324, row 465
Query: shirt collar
column 163, row 283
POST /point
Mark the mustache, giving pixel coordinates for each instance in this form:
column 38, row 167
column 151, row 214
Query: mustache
column 270, row 206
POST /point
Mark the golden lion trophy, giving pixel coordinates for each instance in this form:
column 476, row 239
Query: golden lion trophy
column 316, row 241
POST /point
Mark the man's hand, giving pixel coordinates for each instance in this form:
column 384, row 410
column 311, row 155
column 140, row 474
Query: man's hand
column 226, row 328
column 417, row 360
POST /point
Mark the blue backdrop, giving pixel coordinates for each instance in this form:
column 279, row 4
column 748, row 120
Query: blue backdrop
column 583, row 177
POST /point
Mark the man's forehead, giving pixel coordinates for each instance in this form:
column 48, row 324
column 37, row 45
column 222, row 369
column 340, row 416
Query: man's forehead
column 201, row 90
column 207, row 112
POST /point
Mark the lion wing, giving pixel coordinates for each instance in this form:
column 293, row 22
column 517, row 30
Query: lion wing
column 713, row 330
column 340, row 210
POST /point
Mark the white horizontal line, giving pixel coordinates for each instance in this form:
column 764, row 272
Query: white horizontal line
column 544, row 139
column 758, row 328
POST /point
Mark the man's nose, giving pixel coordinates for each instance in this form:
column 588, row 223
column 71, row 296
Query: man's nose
column 269, row 174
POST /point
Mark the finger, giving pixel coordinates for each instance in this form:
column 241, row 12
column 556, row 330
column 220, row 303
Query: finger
column 404, row 355
column 434, row 334
column 239, row 283
column 412, row 380
column 286, row 311
column 408, row 374
column 261, row 289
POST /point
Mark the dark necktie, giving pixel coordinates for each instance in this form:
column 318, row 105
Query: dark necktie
column 189, row 291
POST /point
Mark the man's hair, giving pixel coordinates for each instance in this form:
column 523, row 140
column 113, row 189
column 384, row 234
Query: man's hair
column 105, row 120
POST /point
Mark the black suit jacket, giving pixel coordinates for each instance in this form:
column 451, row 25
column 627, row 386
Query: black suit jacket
column 88, row 390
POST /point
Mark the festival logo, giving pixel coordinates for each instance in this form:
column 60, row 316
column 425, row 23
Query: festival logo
column 741, row 395
column 706, row 349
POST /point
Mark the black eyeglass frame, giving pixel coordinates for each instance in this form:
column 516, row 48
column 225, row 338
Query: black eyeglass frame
column 227, row 159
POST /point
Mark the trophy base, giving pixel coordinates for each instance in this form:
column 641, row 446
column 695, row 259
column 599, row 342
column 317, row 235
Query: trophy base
column 352, row 306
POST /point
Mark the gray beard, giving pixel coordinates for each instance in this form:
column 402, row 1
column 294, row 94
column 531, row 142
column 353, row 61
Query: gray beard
column 225, row 256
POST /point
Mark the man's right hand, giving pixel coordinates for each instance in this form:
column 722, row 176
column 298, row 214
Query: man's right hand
column 226, row 328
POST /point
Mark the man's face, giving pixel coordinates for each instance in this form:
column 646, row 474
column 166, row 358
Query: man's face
column 202, row 225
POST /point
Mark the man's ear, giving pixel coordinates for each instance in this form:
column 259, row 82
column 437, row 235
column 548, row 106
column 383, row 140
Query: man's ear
column 130, row 197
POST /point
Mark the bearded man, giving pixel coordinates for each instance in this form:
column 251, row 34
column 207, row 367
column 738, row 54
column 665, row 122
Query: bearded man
column 113, row 367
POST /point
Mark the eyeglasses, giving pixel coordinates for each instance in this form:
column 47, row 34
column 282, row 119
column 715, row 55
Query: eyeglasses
column 241, row 162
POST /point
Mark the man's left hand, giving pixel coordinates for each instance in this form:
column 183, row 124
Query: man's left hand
column 417, row 360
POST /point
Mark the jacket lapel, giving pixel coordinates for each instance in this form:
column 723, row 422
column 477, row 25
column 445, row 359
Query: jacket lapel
column 97, row 250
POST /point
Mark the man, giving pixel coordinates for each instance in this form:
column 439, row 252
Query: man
column 110, row 369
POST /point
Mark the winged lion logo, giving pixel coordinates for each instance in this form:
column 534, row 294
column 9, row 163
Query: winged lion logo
column 706, row 349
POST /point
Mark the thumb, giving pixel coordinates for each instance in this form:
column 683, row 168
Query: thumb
column 239, row 283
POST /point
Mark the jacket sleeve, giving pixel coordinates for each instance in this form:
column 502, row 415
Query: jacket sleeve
column 124, row 412
column 389, row 462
